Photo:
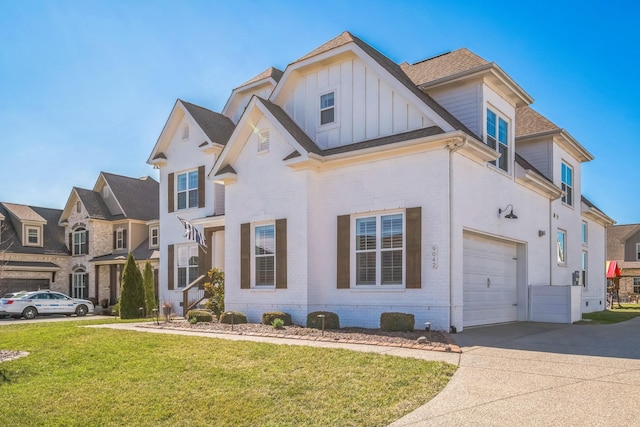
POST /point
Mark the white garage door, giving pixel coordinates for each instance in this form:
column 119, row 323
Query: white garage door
column 490, row 290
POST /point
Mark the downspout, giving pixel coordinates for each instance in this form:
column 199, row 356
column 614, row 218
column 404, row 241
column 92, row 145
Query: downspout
column 553, row 253
column 453, row 146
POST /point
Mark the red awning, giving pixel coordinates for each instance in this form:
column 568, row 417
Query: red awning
column 613, row 270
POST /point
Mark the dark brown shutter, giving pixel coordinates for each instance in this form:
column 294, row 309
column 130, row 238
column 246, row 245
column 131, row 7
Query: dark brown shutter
column 85, row 290
column 281, row 253
column 170, row 269
column 71, row 243
column 170, row 191
column 97, row 283
column 201, row 192
column 71, row 285
column 115, row 239
column 86, row 239
column 413, row 232
column 245, row 256
column 124, row 239
column 344, row 257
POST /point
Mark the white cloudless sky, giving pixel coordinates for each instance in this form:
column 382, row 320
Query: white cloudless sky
column 86, row 86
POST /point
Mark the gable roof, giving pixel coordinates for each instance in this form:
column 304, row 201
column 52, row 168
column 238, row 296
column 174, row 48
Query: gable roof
column 23, row 212
column 53, row 240
column 392, row 68
column 138, row 197
column 216, row 126
column 270, row 72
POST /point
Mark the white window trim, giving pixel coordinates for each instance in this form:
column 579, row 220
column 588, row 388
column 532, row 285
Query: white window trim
column 120, row 238
column 78, row 231
column 334, row 123
column 177, row 265
column 510, row 145
column 253, row 255
column 573, row 186
column 563, row 262
column 38, row 230
column 353, row 270
column 187, row 190
column 151, row 230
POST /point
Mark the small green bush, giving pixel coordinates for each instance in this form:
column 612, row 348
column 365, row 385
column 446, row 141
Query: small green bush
column 331, row 320
column 115, row 310
column 270, row 316
column 278, row 323
column 234, row 317
column 196, row 316
column 397, row 322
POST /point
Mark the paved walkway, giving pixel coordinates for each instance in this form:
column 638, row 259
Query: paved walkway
column 521, row 374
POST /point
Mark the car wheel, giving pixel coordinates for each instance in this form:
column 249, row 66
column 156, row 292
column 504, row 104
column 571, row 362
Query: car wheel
column 30, row 313
column 81, row 310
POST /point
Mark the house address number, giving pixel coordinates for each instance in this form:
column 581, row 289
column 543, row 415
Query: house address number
column 434, row 257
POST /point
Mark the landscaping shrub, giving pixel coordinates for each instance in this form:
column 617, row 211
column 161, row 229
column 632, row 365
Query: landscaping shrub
column 397, row 322
column 229, row 317
column 214, row 290
column 149, row 289
column 270, row 316
column 331, row 320
column 198, row 316
column 278, row 323
column 132, row 291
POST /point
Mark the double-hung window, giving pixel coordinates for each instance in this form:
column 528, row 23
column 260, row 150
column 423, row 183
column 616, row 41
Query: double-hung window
column 636, row 285
column 33, row 236
column 379, row 250
column 80, row 242
column 188, row 190
column 498, row 138
column 567, row 184
column 187, row 264
column 562, row 255
column 154, row 237
column 327, row 108
column 265, row 255
column 120, row 242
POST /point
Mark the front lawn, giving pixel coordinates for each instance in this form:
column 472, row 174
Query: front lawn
column 614, row 315
column 103, row 377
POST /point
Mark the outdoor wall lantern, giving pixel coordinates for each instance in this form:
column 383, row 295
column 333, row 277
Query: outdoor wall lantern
column 510, row 215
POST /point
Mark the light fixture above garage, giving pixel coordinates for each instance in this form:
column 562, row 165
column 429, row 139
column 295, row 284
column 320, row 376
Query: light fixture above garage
column 510, row 215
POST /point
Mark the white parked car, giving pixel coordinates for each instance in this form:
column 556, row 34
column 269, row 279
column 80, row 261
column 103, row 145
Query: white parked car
column 32, row 304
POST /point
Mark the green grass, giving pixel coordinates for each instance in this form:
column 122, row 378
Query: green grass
column 615, row 315
column 102, row 377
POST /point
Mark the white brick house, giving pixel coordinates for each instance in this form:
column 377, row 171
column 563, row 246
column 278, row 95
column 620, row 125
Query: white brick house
column 360, row 186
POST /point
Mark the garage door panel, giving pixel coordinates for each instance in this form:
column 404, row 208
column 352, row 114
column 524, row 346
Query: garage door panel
column 489, row 281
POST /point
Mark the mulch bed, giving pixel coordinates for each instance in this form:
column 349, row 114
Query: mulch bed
column 422, row 340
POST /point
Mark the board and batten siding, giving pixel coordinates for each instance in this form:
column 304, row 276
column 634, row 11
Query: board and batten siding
column 367, row 107
column 465, row 103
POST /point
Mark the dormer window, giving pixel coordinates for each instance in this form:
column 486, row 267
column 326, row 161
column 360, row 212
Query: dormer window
column 120, row 239
column 32, row 236
column 263, row 141
column 567, row 184
column 154, row 236
column 498, row 138
column 327, row 108
column 185, row 131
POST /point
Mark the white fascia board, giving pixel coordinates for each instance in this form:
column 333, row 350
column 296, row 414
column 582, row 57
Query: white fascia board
column 163, row 139
column 209, row 221
column 598, row 216
column 539, row 184
column 246, row 88
column 64, row 217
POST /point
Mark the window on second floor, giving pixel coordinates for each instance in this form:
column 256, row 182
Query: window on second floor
column 498, row 138
column 80, row 242
column 327, row 108
column 187, row 190
column 567, row 184
column 154, row 236
column 121, row 239
column 562, row 255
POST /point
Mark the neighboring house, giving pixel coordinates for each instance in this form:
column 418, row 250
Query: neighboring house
column 623, row 254
column 33, row 254
column 119, row 215
column 187, row 148
column 356, row 185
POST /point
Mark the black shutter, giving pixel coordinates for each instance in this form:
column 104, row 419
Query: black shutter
column 71, row 243
column 124, row 239
column 170, row 269
column 201, row 192
column 71, row 285
column 281, row 254
column 343, row 249
column 115, row 239
column 245, row 256
column 86, row 239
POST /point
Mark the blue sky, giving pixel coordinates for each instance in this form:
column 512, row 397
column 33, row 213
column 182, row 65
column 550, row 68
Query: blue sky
column 86, row 86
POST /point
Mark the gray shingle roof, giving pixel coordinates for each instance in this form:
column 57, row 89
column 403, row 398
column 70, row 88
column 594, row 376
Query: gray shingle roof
column 216, row 126
column 53, row 234
column 530, row 122
column 444, row 65
column 272, row 72
column 139, row 197
column 94, row 204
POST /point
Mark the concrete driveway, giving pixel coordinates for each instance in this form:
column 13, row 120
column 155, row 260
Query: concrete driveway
column 540, row 374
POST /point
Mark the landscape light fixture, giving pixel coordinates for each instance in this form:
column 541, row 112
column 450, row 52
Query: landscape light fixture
column 510, row 215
